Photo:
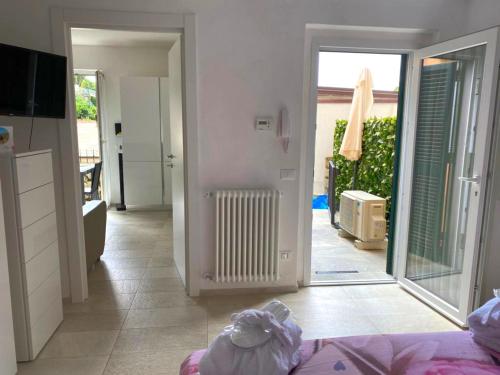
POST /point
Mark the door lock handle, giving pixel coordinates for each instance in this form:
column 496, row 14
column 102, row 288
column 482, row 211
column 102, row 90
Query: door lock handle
column 474, row 179
column 171, row 165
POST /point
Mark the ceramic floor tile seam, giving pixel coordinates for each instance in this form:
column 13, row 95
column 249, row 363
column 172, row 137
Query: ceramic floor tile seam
column 28, row 365
column 191, row 347
column 82, row 356
column 86, row 331
column 128, row 312
column 107, row 362
column 169, row 368
column 127, row 280
column 120, row 331
column 408, row 317
column 138, row 340
column 135, row 323
column 83, row 315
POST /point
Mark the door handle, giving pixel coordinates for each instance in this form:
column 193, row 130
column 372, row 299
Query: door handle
column 474, row 179
column 170, row 156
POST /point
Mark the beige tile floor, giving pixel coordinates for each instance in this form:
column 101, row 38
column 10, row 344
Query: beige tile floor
column 138, row 320
column 334, row 258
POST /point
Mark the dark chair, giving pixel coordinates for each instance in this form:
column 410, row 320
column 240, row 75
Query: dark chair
column 333, row 205
column 92, row 193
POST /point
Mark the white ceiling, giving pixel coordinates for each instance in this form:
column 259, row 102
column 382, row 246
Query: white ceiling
column 120, row 38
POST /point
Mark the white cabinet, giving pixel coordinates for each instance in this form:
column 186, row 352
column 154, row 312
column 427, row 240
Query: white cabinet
column 144, row 109
column 33, row 251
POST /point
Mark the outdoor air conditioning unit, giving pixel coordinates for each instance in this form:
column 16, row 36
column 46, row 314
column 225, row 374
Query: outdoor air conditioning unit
column 362, row 215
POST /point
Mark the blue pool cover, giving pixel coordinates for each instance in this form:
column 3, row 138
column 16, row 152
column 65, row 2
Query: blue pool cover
column 320, row 202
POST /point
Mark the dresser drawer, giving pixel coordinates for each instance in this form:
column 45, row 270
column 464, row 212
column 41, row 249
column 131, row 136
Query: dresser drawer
column 39, row 235
column 41, row 267
column 33, row 171
column 42, row 298
column 35, row 204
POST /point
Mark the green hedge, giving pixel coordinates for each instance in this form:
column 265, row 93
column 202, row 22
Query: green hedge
column 85, row 108
column 375, row 167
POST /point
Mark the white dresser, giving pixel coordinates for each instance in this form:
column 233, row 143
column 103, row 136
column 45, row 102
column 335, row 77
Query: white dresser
column 32, row 246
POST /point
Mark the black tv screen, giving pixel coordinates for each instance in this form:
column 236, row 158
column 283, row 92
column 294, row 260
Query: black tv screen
column 50, row 86
column 32, row 83
column 17, row 81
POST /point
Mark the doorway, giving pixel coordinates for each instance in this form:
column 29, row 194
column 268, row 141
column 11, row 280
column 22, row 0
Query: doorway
column 446, row 160
column 341, row 253
column 62, row 20
column 139, row 84
column 89, row 114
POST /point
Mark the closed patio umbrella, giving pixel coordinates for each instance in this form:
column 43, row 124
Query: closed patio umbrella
column 362, row 102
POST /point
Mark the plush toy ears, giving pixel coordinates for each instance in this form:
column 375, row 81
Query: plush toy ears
column 249, row 329
column 280, row 311
column 252, row 328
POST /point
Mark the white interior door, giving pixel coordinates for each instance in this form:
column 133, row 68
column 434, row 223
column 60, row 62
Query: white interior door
column 165, row 141
column 175, row 158
column 102, row 127
column 448, row 134
column 141, row 132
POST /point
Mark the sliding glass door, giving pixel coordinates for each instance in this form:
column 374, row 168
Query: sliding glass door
column 448, row 136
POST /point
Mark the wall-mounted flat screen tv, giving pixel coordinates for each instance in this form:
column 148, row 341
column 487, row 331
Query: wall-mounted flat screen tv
column 32, row 83
column 17, row 80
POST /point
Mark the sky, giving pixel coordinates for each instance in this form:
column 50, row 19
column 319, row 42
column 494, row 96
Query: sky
column 340, row 69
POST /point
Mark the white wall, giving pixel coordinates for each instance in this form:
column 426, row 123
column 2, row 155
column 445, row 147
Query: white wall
column 250, row 62
column 484, row 14
column 481, row 14
column 116, row 62
column 326, row 115
column 7, row 347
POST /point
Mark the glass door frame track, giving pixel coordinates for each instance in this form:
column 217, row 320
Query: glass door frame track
column 353, row 282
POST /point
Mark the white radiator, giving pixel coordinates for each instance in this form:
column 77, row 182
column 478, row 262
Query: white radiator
column 247, row 223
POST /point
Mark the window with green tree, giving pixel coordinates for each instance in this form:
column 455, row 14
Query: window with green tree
column 85, row 97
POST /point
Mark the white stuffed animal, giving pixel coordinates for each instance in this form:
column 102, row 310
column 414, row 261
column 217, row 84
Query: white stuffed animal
column 258, row 342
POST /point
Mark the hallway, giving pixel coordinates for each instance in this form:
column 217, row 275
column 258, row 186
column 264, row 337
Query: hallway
column 138, row 320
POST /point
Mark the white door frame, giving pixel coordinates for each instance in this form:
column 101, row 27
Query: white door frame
column 469, row 297
column 341, row 39
column 63, row 19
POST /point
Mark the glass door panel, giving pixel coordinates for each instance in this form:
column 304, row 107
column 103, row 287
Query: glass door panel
column 449, row 128
column 448, row 99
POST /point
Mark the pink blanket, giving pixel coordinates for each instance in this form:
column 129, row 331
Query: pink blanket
column 450, row 353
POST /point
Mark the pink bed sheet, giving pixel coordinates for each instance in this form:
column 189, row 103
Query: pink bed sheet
column 450, row 353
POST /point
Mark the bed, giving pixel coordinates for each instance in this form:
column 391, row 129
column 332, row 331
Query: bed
column 412, row 354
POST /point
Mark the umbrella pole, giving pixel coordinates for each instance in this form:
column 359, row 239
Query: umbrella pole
column 355, row 174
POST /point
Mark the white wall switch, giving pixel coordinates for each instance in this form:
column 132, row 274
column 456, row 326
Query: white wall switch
column 264, row 123
column 288, row 174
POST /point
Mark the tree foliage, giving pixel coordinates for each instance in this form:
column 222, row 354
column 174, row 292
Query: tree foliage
column 376, row 165
column 85, row 97
column 85, row 109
